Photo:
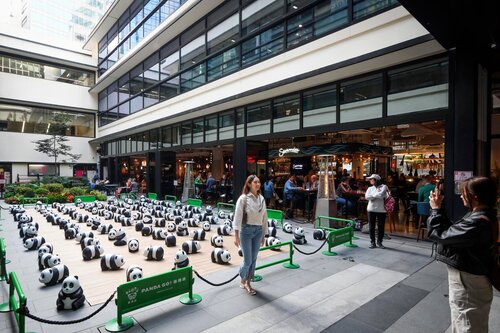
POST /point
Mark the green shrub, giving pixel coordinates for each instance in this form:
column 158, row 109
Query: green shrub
column 54, row 187
column 12, row 200
column 101, row 197
column 11, row 190
column 56, row 198
column 25, row 191
column 77, row 191
column 41, row 192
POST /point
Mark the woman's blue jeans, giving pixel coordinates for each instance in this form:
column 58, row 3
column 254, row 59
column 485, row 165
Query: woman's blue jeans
column 250, row 240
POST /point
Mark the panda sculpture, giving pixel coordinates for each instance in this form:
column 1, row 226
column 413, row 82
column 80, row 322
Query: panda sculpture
column 82, row 235
column 224, row 230
column 212, row 219
column 273, row 241
column 271, row 231
column 28, row 231
column 217, row 241
column 319, row 234
column 147, row 219
column 34, row 243
column 182, row 229
column 70, row 296
column 112, row 262
column 220, row 256
column 49, row 260
column 198, row 234
column 171, row 226
column 170, row 240
column 159, row 234
column 288, row 228
column 206, row 226
column 146, row 231
column 181, row 259
column 133, row 245
column 127, row 222
column 134, row 272
column 191, row 246
column 87, row 241
column 120, row 238
column 154, row 253
column 45, row 248
column 160, row 223
column 54, row 275
column 192, row 222
column 138, row 226
column 92, row 252
column 272, row 223
column 70, row 233
column 83, row 218
column 299, row 236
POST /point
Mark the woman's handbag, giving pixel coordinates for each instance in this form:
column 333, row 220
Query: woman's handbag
column 389, row 202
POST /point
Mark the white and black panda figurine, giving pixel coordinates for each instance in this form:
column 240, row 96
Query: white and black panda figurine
column 28, row 230
column 217, row 241
column 272, row 223
column 70, row 233
column 82, row 235
column 92, row 252
column 220, row 256
column 206, row 226
column 121, row 238
column 181, row 259
column 159, row 234
column 182, row 229
column 271, row 232
column 133, row 245
column 171, row 226
column 198, row 234
column 138, row 226
column 112, row 262
column 319, row 234
column 134, row 272
column 224, row 230
column 147, row 231
column 273, row 241
column 288, row 228
column 221, row 214
column 147, row 219
column 191, row 246
column 170, row 240
column 87, row 241
column 34, row 243
column 212, row 219
column 45, row 248
column 49, row 260
column 299, row 236
column 54, row 275
column 70, row 296
column 105, row 229
column 154, row 253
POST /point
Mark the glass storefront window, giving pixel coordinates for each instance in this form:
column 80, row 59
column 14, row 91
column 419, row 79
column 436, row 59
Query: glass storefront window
column 211, row 128
column 258, row 117
column 223, row 64
column 286, row 113
column 186, row 133
column 361, row 99
column 264, row 45
column 197, row 131
column 240, row 122
column 193, row 78
column 166, row 137
column 320, row 106
column 226, row 125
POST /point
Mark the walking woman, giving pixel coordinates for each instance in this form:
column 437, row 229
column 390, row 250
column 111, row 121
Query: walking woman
column 250, row 226
column 464, row 246
column 376, row 194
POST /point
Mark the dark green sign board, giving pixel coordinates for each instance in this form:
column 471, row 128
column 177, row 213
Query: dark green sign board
column 340, row 236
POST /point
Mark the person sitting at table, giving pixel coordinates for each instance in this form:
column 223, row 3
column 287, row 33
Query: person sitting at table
column 197, row 185
column 211, row 187
column 343, row 189
column 426, row 189
column 312, row 184
column 289, row 196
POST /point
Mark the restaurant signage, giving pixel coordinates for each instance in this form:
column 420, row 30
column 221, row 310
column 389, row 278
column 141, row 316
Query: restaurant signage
column 283, row 151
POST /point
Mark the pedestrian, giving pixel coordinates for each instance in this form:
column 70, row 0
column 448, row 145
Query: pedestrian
column 464, row 246
column 376, row 194
column 250, row 228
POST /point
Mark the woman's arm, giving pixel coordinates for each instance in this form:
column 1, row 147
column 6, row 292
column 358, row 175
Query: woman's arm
column 463, row 233
column 238, row 213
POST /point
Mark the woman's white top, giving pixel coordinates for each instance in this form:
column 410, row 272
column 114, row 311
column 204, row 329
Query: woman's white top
column 256, row 211
column 375, row 196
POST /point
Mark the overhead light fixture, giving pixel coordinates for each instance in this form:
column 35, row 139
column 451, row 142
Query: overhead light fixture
column 295, row 7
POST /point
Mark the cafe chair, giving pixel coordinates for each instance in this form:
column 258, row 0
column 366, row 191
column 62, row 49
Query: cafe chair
column 423, row 211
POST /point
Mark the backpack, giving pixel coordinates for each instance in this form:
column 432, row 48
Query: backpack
column 389, row 202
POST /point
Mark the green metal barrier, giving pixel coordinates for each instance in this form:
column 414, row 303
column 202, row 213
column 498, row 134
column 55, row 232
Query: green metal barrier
column 85, row 198
column 3, row 260
column 140, row 293
column 288, row 262
column 170, row 198
column 152, row 196
column 277, row 215
column 225, row 207
column 341, row 233
column 194, row 202
column 14, row 304
column 32, row 201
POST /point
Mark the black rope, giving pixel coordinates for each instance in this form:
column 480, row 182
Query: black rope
column 4, row 208
column 215, row 284
column 26, row 312
column 307, row 254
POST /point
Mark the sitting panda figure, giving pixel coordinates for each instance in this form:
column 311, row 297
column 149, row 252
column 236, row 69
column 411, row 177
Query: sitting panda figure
column 299, row 236
column 288, row 228
column 272, row 223
column 134, row 272
column 105, row 229
column 154, row 253
column 182, row 229
column 54, row 275
column 272, row 231
column 112, row 262
column 112, row 234
column 319, row 234
column 212, row 219
column 273, row 241
column 224, row 230
column 92, row 252
column 83, row 218
column 147, row 231
column 159, row 234
column 34, row 243
column 206, row 226
column 171, row 226
column 133, row 245
column 70, row 233
column 121, row 238
column 222, row 214
column 87, row 241
column 192, row 222
column 45, row 248
column 198, row 234
column 217, row 241
column 28, row 231
column 139, row 226
column 181, row 259
column 82, row 235
column 127, row 222
column 147, row 219
column 170, row 240
column 220, row 256
column 160, row 223
column 70, row 296
column 49, row 260
column 191, row 246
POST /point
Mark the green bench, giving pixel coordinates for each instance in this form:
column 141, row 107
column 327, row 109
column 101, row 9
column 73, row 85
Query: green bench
column 85, row 198
column 194, row 202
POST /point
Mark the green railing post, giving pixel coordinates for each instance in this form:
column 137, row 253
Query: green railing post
column 288, row 262
column 3, row 262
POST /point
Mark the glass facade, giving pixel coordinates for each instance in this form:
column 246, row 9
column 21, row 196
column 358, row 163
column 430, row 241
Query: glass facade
column 34, row 68
column 228, row 39
column 351, row 100
column 29, row 119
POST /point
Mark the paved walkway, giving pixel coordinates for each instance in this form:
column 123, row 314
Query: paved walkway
column 400, row 289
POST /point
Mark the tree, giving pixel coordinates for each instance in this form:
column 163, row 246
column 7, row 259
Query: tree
column 56, row 146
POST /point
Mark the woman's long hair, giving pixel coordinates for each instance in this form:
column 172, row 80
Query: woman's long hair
column 483, row 189
column 248, row 182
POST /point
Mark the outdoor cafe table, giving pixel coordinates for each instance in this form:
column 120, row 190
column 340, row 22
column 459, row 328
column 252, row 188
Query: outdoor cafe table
column 307, row 194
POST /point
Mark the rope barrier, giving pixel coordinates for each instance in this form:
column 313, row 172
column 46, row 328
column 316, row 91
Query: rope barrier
column 215, row 284
column 26, row 312
column 307, row 254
